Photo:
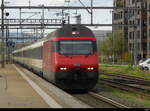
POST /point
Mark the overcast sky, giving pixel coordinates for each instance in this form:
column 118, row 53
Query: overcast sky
column 57, row 2
column 101, row 16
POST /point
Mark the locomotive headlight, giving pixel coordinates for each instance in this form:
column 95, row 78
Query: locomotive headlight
column 63, row 68
column 90, row 68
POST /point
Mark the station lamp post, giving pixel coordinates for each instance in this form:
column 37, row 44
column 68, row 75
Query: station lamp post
column 7, row 36
column 2, row 28
column 2, row 37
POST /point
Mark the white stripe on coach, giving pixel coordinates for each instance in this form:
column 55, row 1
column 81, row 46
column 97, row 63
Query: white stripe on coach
column 50, row 101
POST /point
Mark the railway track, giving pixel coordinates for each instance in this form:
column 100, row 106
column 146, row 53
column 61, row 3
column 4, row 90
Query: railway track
column 107, row 100
column 96, row 100
column 128, row 79
column 142, row 90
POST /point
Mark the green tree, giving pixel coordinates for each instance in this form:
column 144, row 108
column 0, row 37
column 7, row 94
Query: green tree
column 113, row 45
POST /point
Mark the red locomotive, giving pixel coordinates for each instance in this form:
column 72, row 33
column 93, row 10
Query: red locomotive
column 68, row 57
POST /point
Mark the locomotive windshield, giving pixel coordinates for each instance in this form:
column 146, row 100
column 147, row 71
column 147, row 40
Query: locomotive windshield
column 76, row 47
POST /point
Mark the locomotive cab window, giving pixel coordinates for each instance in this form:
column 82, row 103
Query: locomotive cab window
column 76, row 47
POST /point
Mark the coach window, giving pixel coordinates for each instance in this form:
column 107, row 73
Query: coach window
column 38, row 53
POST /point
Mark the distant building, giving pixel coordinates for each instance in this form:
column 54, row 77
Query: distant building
column 148, row 28
column 141, row 18
column 101, row 35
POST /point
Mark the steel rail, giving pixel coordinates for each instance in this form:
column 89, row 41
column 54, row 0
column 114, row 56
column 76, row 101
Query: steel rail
column 137, row 80
column 126, row 87
column 107, row 100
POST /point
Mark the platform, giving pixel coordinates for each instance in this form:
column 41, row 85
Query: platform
column 15, row 92
column 20, row 88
